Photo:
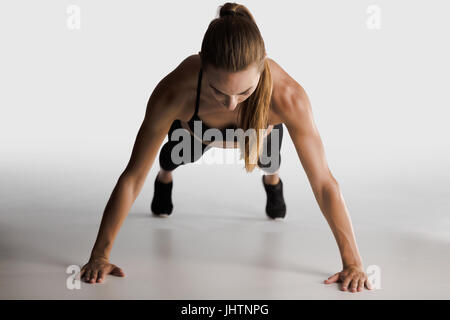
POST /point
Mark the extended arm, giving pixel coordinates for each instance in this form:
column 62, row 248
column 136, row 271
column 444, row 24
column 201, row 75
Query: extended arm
column 162, row 109
column 305, row 136
column 148, row 141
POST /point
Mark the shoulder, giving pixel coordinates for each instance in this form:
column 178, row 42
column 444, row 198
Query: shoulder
column 176, row 91
column 289, row 98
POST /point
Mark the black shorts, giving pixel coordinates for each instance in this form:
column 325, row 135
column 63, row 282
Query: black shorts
column 265, row 161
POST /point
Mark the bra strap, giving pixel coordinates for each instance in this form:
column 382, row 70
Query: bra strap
column 199, row 84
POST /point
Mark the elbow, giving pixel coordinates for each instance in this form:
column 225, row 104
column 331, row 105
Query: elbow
column 130, row 183
column 330, row 190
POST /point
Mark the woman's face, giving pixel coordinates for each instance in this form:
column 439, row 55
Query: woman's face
column 231, row 88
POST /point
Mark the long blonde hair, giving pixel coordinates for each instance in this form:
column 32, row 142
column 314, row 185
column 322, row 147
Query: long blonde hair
column 233, row 42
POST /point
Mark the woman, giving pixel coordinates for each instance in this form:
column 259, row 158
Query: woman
column 230, row 84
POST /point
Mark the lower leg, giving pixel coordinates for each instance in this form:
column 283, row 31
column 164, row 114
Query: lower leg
column 164, row 176
column 271, row 179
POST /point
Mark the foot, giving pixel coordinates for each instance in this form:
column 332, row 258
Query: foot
column 275, row 206
column 162, row 198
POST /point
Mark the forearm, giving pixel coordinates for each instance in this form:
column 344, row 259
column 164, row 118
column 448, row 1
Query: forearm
column 122, row 198
column 332, row 205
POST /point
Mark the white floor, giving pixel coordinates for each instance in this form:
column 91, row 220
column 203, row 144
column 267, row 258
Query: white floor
column 212, row 247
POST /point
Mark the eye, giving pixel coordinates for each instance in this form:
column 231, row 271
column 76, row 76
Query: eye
column 220, row 93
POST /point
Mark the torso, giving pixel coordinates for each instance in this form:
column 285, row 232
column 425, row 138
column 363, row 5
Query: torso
column 212, row 115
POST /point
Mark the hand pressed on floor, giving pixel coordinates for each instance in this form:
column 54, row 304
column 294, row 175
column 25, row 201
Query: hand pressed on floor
column 352, row 278
column 97, row 269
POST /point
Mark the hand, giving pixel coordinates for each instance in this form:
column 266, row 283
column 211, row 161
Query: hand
column 352, row 277
column 97, row 268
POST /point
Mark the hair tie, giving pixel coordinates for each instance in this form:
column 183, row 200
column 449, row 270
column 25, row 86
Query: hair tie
column 229, row 13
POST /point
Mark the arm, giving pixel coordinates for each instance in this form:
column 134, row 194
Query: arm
column 305, row 136
column 151, row 134
column 162, row 110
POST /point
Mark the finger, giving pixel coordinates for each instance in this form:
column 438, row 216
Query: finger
column 83, row 271
column 368, row 284
column 100, row 276
column 116, row 271
column 333, row 278
column 361, row 284
column 87, row 275
column 94, row 276
column 354, row 284
column 346, row 282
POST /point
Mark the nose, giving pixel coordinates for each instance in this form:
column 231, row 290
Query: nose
column 230, row 104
